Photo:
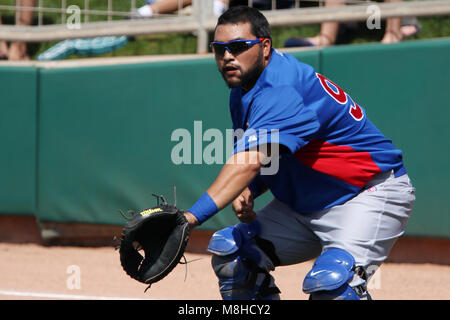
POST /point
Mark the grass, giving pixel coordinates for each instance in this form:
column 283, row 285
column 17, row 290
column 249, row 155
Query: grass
column 356, row 33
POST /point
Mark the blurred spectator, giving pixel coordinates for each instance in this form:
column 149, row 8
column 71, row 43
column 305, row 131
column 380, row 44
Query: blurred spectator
column 395, row 31
column 18, row 49
column 410, row 26
column 168, row 6
column 392, row 33
column 220, row 6
column 3, row 47
column 265, row 4
column 101, row 45
column 161, row 7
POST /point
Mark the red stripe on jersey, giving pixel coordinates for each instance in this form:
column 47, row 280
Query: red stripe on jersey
column 342, row 162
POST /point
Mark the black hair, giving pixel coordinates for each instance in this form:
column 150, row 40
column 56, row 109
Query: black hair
column 242, row 14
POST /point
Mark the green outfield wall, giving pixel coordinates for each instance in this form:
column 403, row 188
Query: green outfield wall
column 80, row 144
column 18, row 108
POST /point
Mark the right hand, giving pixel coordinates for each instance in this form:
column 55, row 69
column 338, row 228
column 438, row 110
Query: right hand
column 192, row 220
column 243, row 206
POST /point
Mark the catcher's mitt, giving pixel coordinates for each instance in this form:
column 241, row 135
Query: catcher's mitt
column 162, row 232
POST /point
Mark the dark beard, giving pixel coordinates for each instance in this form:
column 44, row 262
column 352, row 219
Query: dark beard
column 249, row 78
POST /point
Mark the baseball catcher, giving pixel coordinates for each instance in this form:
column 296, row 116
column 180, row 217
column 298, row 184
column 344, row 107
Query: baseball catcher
column 162, row 233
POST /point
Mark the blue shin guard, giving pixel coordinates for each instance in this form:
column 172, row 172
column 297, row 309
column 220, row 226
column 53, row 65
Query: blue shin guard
column 241, row 266
column 329, row 276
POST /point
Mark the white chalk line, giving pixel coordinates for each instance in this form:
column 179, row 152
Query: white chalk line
column 43, row 295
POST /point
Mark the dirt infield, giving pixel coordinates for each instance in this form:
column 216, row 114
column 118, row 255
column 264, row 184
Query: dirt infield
column 32, row 267
column 33, row 271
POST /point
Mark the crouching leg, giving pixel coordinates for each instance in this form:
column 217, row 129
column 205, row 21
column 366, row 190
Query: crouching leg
column 240, row 264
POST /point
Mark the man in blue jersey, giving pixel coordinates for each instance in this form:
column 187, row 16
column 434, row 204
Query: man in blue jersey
column 341, row 192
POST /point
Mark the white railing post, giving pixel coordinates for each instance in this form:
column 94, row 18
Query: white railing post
column 203, row 10
column 40, row 15
column 110, row 9
column 202, row 21
column 63, row 11
column 86, row 8
column 16, row 12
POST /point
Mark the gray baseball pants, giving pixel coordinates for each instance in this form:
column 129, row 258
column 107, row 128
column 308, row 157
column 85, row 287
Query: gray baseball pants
column 366, row 226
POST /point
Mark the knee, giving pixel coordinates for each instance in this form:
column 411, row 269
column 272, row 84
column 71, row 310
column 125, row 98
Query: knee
column 330, row 276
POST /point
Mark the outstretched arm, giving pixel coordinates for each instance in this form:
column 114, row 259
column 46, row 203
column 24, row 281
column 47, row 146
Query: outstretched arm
column 234, row 177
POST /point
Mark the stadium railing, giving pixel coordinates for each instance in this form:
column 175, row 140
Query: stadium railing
column 200, row 20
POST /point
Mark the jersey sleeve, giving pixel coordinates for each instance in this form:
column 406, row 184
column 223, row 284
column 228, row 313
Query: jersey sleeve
column 278, row 116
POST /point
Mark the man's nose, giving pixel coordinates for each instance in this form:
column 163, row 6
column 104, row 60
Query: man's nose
column 227, row 55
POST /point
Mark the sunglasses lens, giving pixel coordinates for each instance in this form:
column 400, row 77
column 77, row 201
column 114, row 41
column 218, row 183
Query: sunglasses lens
column 218, row 48
column 233, row 47
column 238, row 47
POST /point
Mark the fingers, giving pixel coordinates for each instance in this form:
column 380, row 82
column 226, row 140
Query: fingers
column 246, row 216
column 192, row 220
column 243, row 201
column 238, row 204
column 243, row 213
column 248, row 200
column 243, row 206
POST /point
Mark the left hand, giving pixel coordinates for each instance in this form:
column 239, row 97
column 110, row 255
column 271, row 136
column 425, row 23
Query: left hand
column 243, row 206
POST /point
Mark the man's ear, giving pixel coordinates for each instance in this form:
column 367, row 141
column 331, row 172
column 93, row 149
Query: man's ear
column 267, row 45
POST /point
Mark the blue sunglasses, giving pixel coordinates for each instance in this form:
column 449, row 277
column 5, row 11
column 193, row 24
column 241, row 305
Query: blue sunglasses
column 234, row 46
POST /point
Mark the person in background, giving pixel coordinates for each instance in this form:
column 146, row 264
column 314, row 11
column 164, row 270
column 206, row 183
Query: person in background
column 396, row 30
column 264, row 4
column 3, row 47
column 168, row 6
column 18, row 49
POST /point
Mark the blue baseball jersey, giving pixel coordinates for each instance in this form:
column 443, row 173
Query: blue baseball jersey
column 333, row 150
